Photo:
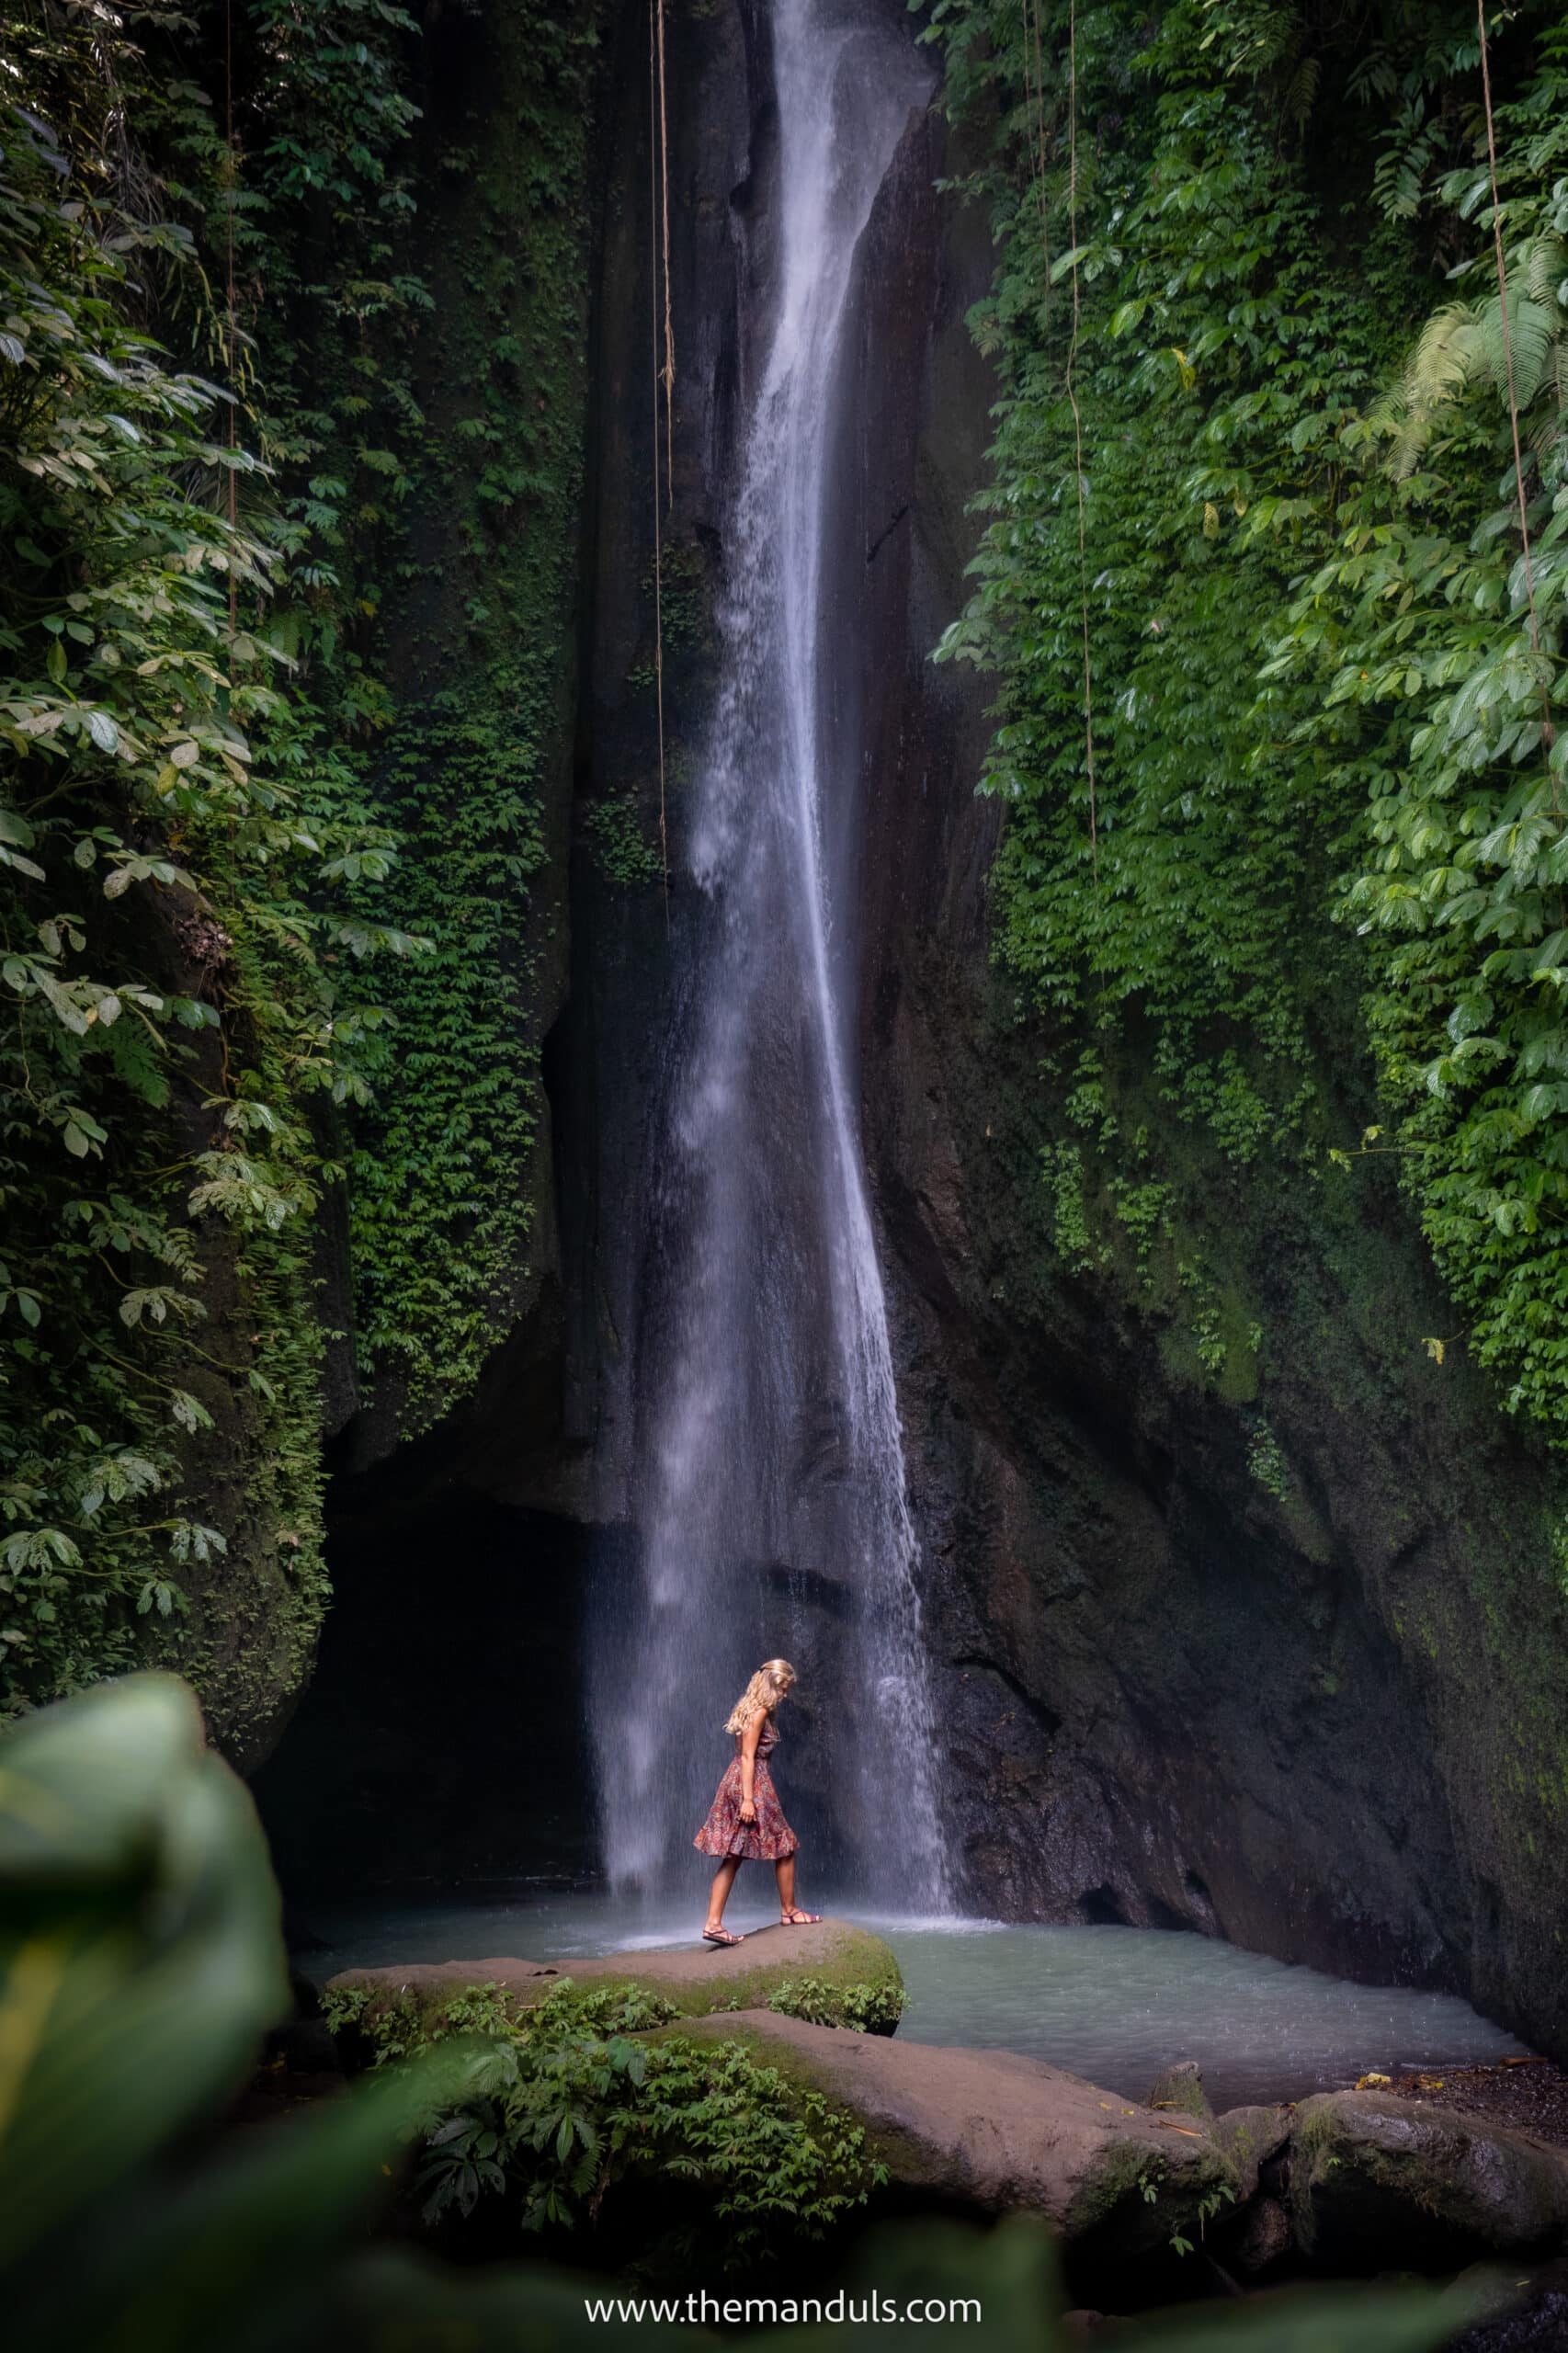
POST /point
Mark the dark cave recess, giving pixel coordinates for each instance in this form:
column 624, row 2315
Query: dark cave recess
column 442, row 1742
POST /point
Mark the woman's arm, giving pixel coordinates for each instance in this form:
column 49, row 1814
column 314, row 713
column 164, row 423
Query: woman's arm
column 749, row 1739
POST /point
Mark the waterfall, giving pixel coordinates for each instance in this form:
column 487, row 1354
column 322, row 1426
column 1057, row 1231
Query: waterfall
column 768, row 1486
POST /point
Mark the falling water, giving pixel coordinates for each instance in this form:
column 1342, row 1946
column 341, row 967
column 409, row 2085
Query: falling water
column 769, row 1485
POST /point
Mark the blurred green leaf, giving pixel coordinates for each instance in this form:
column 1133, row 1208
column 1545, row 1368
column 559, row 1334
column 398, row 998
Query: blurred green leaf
column 141, row 1957
column 1365, row 2319
column 236, row 2256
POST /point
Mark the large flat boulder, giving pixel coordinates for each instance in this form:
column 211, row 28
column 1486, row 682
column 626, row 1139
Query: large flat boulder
column 990, row 2132
column 837, row 1973
column 1378, row 2182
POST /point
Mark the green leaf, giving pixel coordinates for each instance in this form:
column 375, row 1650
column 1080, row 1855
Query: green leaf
column 256, row 2233
column 141, row 2002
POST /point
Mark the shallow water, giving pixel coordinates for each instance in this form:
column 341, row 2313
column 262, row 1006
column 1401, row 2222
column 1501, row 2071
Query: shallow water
column 1114, row 2005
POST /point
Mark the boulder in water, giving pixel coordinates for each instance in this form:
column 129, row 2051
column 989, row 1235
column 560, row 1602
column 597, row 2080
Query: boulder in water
column 1379, row 2182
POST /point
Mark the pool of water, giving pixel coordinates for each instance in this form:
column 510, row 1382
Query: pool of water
column 1114, row 2005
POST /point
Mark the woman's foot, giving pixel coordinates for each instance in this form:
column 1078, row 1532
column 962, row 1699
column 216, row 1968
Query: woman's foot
column 793, row 1919
column 715, row 1935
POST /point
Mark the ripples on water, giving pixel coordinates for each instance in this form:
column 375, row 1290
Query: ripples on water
column 1114, row 2005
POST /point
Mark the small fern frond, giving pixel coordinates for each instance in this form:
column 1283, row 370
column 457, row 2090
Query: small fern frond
column 1399, row 182
column 1546, row 270
column 1531, row 330
column 1448, row 354
column 1301, row 92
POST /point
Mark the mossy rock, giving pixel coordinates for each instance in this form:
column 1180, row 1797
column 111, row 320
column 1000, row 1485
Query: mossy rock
column 1252, row 2137
column 1379, row 2182
column 990, row 2132
column 1179, row 2090
column 834, row 1973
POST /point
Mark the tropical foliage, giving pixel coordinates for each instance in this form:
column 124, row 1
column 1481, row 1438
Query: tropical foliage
column 569, row 2104
column 1279, row 679
column 182, row 968
column 241, row 1031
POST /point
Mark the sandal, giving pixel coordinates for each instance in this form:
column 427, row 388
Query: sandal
column 721, row 1937
column 798, row 1919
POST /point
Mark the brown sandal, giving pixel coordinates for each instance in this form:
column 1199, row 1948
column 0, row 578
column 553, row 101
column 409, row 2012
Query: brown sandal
column 798, row 1919
column 721, row 1937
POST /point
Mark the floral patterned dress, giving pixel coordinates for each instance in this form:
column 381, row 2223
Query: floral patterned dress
column 767, row 1839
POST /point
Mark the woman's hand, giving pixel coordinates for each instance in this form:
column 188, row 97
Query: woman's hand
column 748, row 1810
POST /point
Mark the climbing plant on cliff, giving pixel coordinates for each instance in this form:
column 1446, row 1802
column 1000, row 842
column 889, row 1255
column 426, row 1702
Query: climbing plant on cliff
column 1316, row 761
column 1433, row 635
column 443, row 1190
column 181, row 971
column 287, row 580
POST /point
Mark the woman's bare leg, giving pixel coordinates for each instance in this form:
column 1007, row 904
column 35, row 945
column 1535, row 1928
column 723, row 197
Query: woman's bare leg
column 723, row 1880
column 784, row 1871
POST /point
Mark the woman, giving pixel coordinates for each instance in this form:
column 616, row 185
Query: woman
column 745, row 1822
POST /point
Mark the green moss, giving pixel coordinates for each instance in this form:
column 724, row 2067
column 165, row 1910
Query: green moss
column 1132, row 2199
column 1180, row 2090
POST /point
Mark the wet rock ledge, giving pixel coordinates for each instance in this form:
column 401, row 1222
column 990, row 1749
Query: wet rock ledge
column 847, row 1974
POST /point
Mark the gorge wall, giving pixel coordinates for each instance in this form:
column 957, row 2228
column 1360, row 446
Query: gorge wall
column 1242, row 1609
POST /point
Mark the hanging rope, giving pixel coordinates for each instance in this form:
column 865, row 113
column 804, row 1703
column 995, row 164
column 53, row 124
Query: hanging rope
column 1077, row 424
column 669, row 369
column 655, row 96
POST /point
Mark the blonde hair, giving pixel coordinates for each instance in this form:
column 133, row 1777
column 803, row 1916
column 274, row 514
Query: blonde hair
column 762, row 1693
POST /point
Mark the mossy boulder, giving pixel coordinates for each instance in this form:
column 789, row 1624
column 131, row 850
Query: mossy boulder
column 1252, row 2138
column 832, row 1974
column 1179, row 2089
column 989, row 2132
column 1379, row 2182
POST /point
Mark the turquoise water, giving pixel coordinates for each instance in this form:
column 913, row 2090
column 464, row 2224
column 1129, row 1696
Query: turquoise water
column 1114, row 2005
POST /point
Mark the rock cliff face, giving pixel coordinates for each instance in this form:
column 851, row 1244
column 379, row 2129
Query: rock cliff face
column 1254, row 1629
column 1246, row 1617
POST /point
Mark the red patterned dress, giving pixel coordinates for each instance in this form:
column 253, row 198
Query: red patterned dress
column 767, row 1839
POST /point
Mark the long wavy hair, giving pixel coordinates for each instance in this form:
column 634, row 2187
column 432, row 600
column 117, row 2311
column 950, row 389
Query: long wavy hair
column 762, row 1694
